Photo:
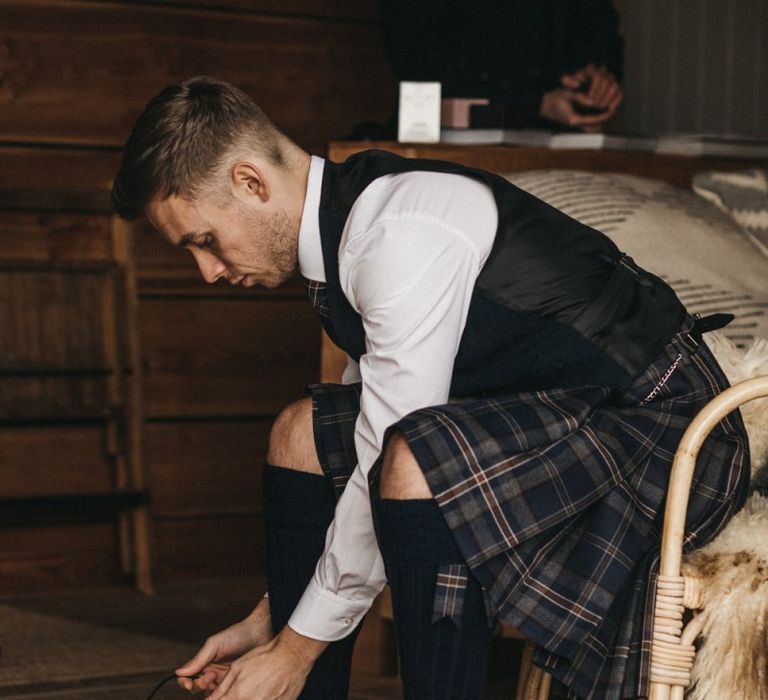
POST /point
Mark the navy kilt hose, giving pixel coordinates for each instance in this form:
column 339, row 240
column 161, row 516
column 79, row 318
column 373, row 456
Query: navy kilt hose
column 555, row 499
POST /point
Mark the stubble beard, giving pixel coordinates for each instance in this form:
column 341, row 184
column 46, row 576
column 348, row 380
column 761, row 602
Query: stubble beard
column 276, row 238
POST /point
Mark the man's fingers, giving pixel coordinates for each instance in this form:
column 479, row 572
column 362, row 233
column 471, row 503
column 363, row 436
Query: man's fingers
column 610, row 95
column 199, row 661
column 196, row 664
column 598, row 87
column 224, row 686
column 610, row 110
column 606, row 92
column 587, row 119
column 570, row 81
column 573, row 80
column 207, row 681
column 581, row 98
column 186, row 683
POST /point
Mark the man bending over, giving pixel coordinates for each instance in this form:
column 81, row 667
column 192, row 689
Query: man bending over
column 501, row 444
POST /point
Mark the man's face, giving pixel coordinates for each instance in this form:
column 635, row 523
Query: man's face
column 246, row 243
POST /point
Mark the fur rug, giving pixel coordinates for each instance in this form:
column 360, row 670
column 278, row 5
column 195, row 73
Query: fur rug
column 732, row 659
column 739, row 365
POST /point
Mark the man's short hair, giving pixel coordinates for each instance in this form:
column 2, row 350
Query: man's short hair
column 181, row 139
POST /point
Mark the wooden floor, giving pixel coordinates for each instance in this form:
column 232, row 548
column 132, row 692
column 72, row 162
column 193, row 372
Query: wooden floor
column 184, row 614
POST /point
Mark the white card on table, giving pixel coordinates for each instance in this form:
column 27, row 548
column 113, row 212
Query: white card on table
column 419, row 114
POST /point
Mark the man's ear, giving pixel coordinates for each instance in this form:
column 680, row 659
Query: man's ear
column 248, row 180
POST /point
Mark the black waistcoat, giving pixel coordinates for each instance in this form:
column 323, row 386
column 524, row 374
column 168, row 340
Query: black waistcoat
column 556, row 304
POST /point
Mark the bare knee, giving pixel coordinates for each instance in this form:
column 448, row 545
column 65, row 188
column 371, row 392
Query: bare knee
column 401, row 475
column 292, row 442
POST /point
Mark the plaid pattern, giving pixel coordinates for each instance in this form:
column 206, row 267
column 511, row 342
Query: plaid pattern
column 449, row 592
column 335, row 408
column 317, row 295
column 555, row 499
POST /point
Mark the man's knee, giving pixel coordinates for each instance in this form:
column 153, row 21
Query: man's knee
column 292, row 441
column 401, row 475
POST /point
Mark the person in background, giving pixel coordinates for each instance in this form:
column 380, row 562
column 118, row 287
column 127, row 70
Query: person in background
column 539, row 62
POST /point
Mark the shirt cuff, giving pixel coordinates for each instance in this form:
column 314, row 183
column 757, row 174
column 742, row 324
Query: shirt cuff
column 326, row 616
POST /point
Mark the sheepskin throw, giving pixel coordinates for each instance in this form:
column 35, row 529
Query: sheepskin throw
column 740, row 365
column 732, row 659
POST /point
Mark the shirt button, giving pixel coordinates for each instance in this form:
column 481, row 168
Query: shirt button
column 346, row 620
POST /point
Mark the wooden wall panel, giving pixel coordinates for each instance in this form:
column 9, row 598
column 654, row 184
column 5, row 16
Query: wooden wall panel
column 49, row 460
column 55, row 179
column 58, row 557
column 330, row 9
column 74, row 74
column 80, row 72
column 52, row 399
column 57, row 320
column 216, row 546
column 229, row 357
column 204, row 467
column 54, row 238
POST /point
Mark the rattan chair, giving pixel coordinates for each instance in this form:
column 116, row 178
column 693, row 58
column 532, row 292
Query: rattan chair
column 672, row 650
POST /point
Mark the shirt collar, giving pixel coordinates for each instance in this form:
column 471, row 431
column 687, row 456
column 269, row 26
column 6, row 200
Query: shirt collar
column 311, row 263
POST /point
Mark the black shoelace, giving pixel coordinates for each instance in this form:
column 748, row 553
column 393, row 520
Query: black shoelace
column 165, row 680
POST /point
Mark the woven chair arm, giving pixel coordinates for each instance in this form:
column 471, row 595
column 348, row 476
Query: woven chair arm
column 685, row 463
column 672, row 650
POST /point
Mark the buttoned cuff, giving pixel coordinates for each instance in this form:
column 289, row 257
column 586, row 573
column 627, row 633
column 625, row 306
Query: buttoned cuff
column 326, row 616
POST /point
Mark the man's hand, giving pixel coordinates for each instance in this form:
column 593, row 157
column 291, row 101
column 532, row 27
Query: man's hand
column 274, row 671
column 559, row 106
column 598, row 84
column 254, row 631
column 592, row 87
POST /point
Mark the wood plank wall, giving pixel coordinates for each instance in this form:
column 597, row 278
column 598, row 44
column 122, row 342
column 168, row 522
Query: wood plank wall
column 218, row 364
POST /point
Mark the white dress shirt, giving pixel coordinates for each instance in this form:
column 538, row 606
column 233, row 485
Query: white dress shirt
column 411, row 250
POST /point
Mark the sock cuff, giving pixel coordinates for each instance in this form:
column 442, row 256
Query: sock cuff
column 297, row 497
column 414, row 532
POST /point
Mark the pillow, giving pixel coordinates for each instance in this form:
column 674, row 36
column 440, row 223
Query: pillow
column 743, row 195
column 698, row 249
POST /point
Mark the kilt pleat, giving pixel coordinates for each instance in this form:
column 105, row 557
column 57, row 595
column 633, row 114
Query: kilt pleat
column 555, row 499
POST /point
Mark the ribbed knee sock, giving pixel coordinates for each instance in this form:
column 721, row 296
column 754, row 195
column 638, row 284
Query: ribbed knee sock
column 299, row 508
column 438, row 661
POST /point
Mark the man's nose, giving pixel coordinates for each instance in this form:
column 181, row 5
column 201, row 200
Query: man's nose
column 211, row 268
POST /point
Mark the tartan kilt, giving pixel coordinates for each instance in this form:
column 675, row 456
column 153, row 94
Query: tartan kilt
column 555, row 498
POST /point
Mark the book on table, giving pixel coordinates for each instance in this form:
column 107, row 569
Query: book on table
column 548, row 139
column 523, row 137
column 693, row 144
column 599, row 139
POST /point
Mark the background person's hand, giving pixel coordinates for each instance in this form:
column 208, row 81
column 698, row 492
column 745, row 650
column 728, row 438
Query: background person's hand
column 598, row 84
column 277, row 670
column 560, row 106
column 229, row 644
